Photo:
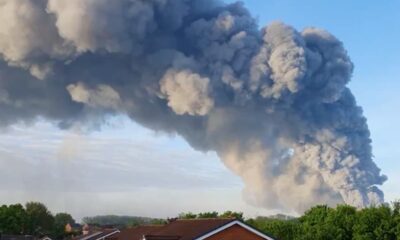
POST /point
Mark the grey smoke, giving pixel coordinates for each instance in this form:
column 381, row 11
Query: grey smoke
column 272, row 103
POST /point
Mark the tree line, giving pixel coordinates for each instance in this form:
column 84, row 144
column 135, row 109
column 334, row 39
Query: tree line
column 321, row 222
column 121, row 221
column 33, row 219
column 214, row 214
column 340, row 223
column 318, row 223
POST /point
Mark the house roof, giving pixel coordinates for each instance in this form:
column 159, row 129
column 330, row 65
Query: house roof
column 159, row 237
column 191, row 229
column 187, row 229
column 99, row 234
column 236, row 222
column 135, row 233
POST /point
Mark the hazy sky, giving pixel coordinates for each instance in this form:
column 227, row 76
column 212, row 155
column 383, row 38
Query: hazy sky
column 126, row 169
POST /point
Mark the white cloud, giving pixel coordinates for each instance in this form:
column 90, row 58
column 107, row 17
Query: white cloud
column 126, row 169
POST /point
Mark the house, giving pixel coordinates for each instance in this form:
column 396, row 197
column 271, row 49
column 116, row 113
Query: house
column 135, row 232
column 194, row 229
column 73, row 227
column 97, row 234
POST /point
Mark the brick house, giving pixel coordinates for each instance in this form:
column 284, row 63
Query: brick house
column 193, row 229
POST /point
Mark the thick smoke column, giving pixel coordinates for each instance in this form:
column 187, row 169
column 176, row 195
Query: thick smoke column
column 273, row 103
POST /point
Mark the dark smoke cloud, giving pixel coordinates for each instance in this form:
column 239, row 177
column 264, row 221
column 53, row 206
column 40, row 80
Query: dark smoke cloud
column 273, row 103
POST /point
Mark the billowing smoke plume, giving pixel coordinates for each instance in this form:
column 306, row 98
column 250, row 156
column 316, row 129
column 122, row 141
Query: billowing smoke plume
column 272, row 103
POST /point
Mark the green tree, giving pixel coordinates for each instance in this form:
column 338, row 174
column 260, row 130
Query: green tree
column 187, row 215
column 396, row 218
column 315, row 225
column 158, row 221
column 63, row 219
column 280, row 229
column 230, row 214
column 13, row 219
column 343, row 218
column 119, row 221
column 60, row 221
column 208, row 215
column 375, row 223
column 40, row 219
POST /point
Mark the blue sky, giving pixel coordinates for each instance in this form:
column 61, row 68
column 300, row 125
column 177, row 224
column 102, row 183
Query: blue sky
column 127, row 169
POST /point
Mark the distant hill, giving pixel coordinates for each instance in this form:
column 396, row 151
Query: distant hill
column 120, row 221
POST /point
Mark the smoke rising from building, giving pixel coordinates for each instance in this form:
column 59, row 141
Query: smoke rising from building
column 271, row 102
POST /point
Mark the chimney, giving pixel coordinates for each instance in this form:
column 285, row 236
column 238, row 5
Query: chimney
column 85, row 229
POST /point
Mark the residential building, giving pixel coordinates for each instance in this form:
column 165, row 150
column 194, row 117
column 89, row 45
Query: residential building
column 193, row 229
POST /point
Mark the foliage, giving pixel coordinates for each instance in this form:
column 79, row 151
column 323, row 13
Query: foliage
column 214, row 214
column 13, row 219
column 208, row 215
column 60, row 221
column 33, row 219
column 376, row 223
column 320, row 222
column 341, row 223
column 280, row 229
column 188, row 215
column 230, row 214
column 40, row 219
column 120, row 221
column 63, row 219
